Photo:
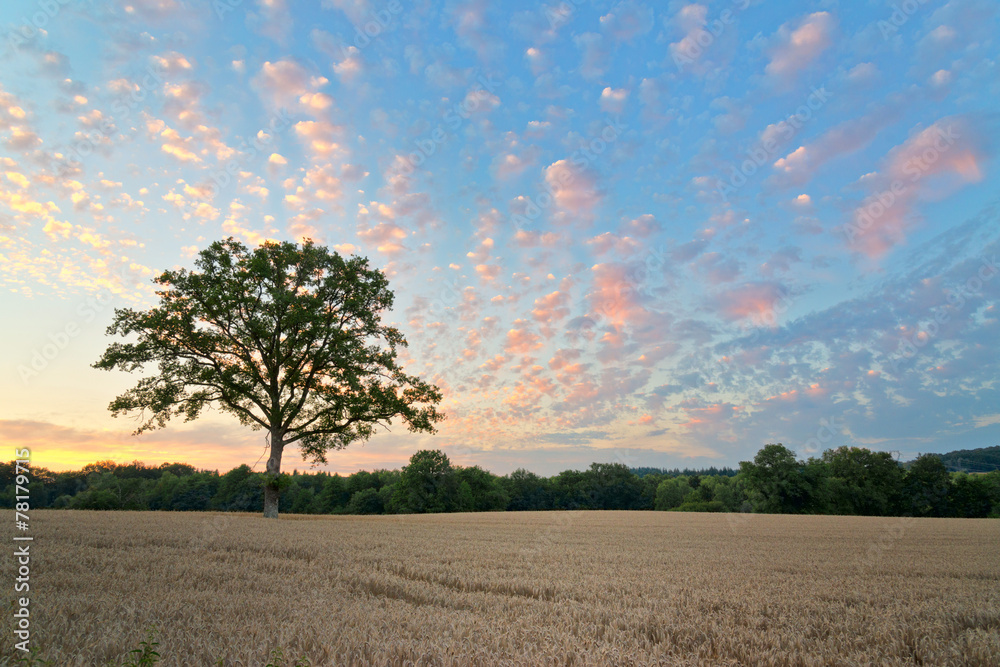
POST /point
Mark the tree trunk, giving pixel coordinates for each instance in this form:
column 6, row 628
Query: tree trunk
column 271, row 491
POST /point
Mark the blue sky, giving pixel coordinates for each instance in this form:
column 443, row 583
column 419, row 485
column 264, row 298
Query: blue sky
column 657, row 234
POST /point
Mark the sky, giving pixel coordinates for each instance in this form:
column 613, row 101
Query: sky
column 659, row 234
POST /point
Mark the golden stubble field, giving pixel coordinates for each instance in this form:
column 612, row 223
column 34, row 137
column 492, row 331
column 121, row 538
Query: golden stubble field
column 555, row 588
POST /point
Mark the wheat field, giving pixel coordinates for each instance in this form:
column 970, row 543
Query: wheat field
column 554, row 588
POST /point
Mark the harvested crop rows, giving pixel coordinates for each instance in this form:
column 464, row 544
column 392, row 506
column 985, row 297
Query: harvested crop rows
column 555, row 588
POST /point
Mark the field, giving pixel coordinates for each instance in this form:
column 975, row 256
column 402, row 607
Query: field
column 556, row 588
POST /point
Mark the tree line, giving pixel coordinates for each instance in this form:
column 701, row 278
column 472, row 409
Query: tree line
column 846, row 480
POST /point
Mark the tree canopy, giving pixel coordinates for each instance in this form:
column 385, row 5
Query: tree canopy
column 285, row 337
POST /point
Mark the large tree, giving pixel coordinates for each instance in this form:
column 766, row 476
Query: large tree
column 928, row 484
column 774, row 481
column 428, row 484
column 287, row 338
column 862, row 481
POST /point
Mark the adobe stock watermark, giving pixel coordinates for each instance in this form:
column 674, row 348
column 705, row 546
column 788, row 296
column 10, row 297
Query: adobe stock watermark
column 22, row 554
column 885, row 542
column 879, row 204
column 453, row 118
column 901, row 13
column 31, row 25
column 248, row 150
column 704, row 38
column 373, row 28
column 910, row 346
column 764, row 152
column 579, row 160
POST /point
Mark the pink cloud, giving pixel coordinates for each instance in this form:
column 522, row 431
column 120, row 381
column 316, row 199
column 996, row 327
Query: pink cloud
column 531, row 239
column 470, row 23
column 287, row 84
column 574, row 190
column 690, row 20
column 495, row 364
column 643, row 227
column 171, row 62
column 609, row 241
column 570, row 375
column 562, row 358
column 511, row 165
column 321, row 137
column 386, row 237
column 301, row 225
column 283, row 81
column 156, row 9
column 958, row 146
column 520, row 340
column 355, row 10
column 468, row 307
column 797, row 47
column 712, row 417
column 550, row 309
column 756, row 300
column 799, row 166
column 929, row 166
column 488, row 272
column 613, row 100
column 318, row 184
column 483, row 253
column 615, row 295
column 473, row 343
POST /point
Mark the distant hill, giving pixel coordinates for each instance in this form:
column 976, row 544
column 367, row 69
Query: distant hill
column 984, row 459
